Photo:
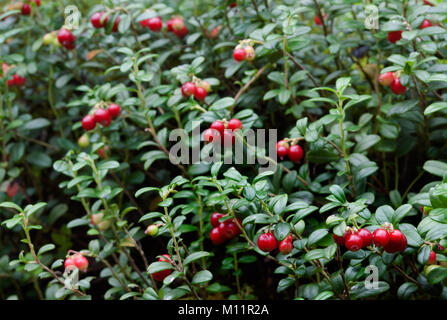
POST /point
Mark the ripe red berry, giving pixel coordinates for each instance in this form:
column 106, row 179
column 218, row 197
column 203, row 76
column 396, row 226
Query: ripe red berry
column 155, row 24
column 396, row 87
column 65, row 36
column 286, row 245
column 144, row 22
column 213, row 33
column 366, row 236
column 339, row 240
column 12, row 189
column 115, row 24
column 394, row 36
column 181, row 33
column 234, row 124
column 216, row 237
column 200, row 93
column 114, row 110
column 381, row 237
column 397, row 242
column 295, row 153
column 80, row 262
column 239, row 54
column 228, row 137
column 219, row 126
column 188, row 89
column 386, row 78
column 18, row 80
column 69, row 264
column 318, row 21
column 169, row 24
column 88, row 122
column 96, row 20
column 209, row 135
column 229, row 229
column 215, row 219
column 37, row 2
column 26, row 9
column 102, row 152
column 425, row 24
column 161, row 275
column 282, row 151
column 10, row 82
column 267, row 242
column 432, row 258
column 353, row 242
column 102, row 116
column 428, row 3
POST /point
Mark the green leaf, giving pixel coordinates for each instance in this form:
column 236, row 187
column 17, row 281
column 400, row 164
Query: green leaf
column 195, row 256
column 222, row 104
column 8, row 204
column 202, row 276
column 435, row 167
column 158, row 266
column 435, row 107
column 278, row 203
column 282, row 230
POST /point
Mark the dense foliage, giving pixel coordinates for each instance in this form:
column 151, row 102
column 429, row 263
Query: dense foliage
column 94, row 207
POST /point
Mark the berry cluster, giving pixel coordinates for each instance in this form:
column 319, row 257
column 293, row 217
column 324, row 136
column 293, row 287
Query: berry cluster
column 244, row 51
column 222, row 131
column 293, row 151
column 353, row 239
column 16, row 81
column 66, row 38
column 394, row 36
column 223, row 231
column 99, row 22
column 197, row 88
column 76, row 261
column 392, row 80
column 392, row 240
column 177, row 26
column 102, row 116
column 154, row 24
column 161, row 275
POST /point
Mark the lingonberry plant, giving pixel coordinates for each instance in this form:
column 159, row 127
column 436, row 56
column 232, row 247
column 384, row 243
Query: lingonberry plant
column 96, row 204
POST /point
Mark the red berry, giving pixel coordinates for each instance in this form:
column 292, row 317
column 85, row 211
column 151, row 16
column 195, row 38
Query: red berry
column 286, row 245
column 228, row 137
column 80, row 262
column 161, row 275
column 26, row 9
column 428, row 3
column 216, row 237
column 282, row 151
column 366, row 236
column 177, row 24
column 181, row 33
column 210, row 134
column 295, row 153
column 12, row 189
column 386, row 78
column 69, row 264
column 234, row 124
column 394, row 36
column 188, row 89
column 432, row 258
column 397, row 242
column 18, row 80
column 10, row 82
column 64, row 36
column 267, row 242
column 37, row 2
column 229, row 229
column 144, row 22
column 213, row 33
column 219, row 126
column 232, row 5
column 397, row 87
column 114, row 110
column 200, row 93
column 155, row 24
column 88, row 122
column 318, row 20
column 96, row 20
column 102, row 152
column 353, row 242
column 239, row 54
column 102, row 116
column 115, row 24
column 381, row 237
column 169, row 24
column 339, row 240
column 425, row 24
column 215, row 219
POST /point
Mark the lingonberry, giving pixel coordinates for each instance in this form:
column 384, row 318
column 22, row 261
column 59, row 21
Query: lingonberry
column 282, row 151
column 228, row 137
column 18, row 80
column 80, row 262
column 155, row 24
column 239, row 54
column 210, row 135
column 381, row 237
column 88, row 122
column 151, row 230
column 169, row 24
column 97, row 220
column 213, row 33
column 366, row 236
column 102, row 116
column 83, row 141
column 353, row 242
column 161, row 275
column 428, row 3
column 219, row 126
column 115, row 24
column 69, row 264
column 295, row 153
column 397, row 242
column 216, row 237
column 396, row 87
column 234, row 124
column 318, row 21
column 200, row 93
column 386, row 78
column 432, row 258
column 102, row 152
column 182, row 32
column 339, row 240
column 96, row 20
column 249, row 53
column 37, row 2
column 425, row 24
column 267, row 242
column 114, row 110
column 12, row 189
column 215, row 219
column 188, row 89
column 286, row 245
column 205, row 85
column 229, row 229
column 177, row 24
column 26, row 9
column 394, row 36
column 64, row 36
